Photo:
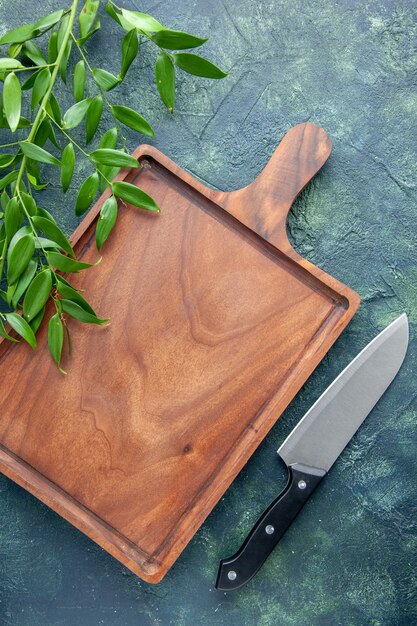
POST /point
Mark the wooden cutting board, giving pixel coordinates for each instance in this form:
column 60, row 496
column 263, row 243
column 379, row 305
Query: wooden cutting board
column 216, row 323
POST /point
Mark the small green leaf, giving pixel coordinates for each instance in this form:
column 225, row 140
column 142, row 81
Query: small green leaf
column 64, row 61
column 53, row 47
column 12, row 100
column 37, row 294
column 9, row 178
column 106, row 221
column 130, row 118
column 79, row 80
column 4, row 200
column 44, row 213
column 93, row 117
column 105, row 80
column 37, row 153
column 53, row 109
column 28, row 204
column 165, row 80
column 54, row 232
column 107, row 156
column 28, row 84
column 9, row 64
column 109, row 139
column 80, row 314
column 196, row 65
column 41, row 85
column 142, row 21
column 69, row 293
column 49, row 20
column 34, row 53
column 75, row 114
column 86, row 194
column 6, row 160
column 13, row 217
column 19, row 34
column 64, row 263
column 130, row 47
column 81, row 40
column 22, row 328
column 176, row 40
column 56, row 337
column 37, row 320
column 18, row 257
column 107, row 173
column 4, row 334
column 133, row 195
column 24, row 281
column 87, row 16
column 14, row 50
column 67, row 167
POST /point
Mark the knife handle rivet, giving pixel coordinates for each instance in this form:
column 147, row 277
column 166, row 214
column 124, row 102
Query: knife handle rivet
column 269, row 529
column 302, row 484
column 231, row 575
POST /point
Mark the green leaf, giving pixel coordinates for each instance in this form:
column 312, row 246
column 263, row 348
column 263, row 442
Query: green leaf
column 107, row 156
column 176, row 40
column 142, row 21
column 80, row 314
column 28, row 203
column 56, row 337
column 13, row 217
column 37, row 320
column 75, row 114
column 19, row 34
column 87, row 16
column 49, row 20
column 133, row 195
column 130, row 47
column 4, row 200
column 107, row 173
column 37, row 153
column 53, row 231
column 4, row 334
column 67, row 167
column 64, row 263
column 68, row 292
column 165, row 80
column 81, row 40
column 6, row 160
column 41, row 85
column 18, row 257
column 37, row 294
column 12, row 100
column 9, row 64
column 44, row 213
column 130, row 118
column 64, row 61
column 24, row 281
column 53, row 109
column 53, row 47
column 109, row 139
column 22, row 328
column 105, row 80
column 106, row 221
column 34, row 53
column 86, row 194
column 9, row 178
column 93, row 117
column 14, row 50
column 28, row 84
column 196, row 65
column 79, row 80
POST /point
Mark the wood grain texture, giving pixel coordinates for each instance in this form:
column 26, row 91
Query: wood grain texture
column 216, row 323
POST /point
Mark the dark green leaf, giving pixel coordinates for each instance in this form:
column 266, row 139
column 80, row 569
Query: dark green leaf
column 12, row 100
column 37, row 294
column 133, row 195
column 109, row 139
column 53, row 231
column 80, row 314
column 19, row 256
column 4, row 334
column 44, row 213
column 86, row 194
column 79, row 80
column 41, row 243
column 81, row 40
column 196, row 65
column 49, row 20
column 53, row 47
column 105, row 80
column 13, row 217
column 165, row 80
column 24, row 281
column 107, row 173
column 22, row 328
column 130, row 118
column 41, row 85
column 9, row 178
column 87, row 16
column 75, row 114
column 142, row 21
column 118, row 17
column 34, row 53
column 67, row 167
column 28, row 84
column 106, row 221
column 56, row 337
column 176, row 40
column 130, row 46
column 42, row 133
column 93, row 117
column 37, row 320
column 9, row 64
column 64, row 61
column 28, row 204
column 6, row 160
column 62, row 29
column 64, row 263
column 67, row 291
column 107, row 156
column 4, row 200
column 37, row 153
column 19, row 34
column 53, row 109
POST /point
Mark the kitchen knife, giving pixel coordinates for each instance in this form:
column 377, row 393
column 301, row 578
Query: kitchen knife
column 313, row 446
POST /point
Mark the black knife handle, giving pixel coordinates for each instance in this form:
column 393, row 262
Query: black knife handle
column 268, row 530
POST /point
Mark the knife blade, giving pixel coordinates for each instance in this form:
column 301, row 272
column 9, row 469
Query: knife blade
column 316, row 442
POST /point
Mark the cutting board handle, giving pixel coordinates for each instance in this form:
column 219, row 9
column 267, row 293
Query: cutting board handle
column 263, row 205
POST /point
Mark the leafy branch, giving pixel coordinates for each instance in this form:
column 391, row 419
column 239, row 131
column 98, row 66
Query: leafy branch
column 35, row 253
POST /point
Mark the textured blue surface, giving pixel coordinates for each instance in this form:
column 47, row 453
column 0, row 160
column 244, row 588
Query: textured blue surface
column 350, row 558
